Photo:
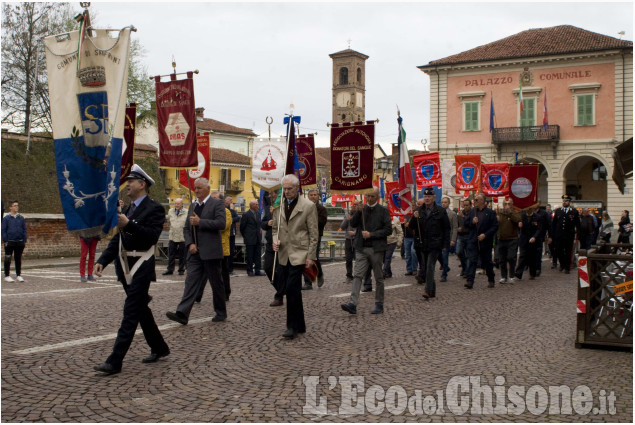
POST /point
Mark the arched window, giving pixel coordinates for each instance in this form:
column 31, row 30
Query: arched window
column 359, row 75
column 343, row 76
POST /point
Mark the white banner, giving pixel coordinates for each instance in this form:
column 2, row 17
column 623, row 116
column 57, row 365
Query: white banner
column 88, row 112
column 448, row 170
column 269, row 162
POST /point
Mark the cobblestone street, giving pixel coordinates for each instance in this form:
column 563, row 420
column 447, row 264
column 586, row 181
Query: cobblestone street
column 55, row 329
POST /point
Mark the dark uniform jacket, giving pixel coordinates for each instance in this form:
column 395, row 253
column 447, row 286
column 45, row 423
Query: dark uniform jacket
column 533, row 227
column 377, row 223
column 140, row 234
column 565, row 224
column 322, row 218
column 435, row 229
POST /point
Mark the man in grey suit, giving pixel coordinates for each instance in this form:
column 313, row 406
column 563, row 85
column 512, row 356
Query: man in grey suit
column 206, row 219
column 373, row 228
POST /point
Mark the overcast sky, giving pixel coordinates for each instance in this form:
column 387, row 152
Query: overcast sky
column 255, row 59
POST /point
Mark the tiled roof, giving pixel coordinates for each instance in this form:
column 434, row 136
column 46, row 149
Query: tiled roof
column 213, row 125
column 323, row 156
column 348, row 52
column 557, row 40
column 145, row 147
column 229, row 157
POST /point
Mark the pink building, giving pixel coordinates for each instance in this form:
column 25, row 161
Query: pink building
column 585, row 80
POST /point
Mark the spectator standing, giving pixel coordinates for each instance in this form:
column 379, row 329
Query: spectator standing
column 625, row 229
column 409, row 251
column 444, row 258
column 250, row 229
column 14, row 240
column 88, row 248
column 607, row 227
column 176, row 244
column 586, row 229
column 232, row 235
column 394, row 241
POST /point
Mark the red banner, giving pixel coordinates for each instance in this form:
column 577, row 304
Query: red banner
column 523, row 184
column 337, row 199
column 202, row 170
column 352, row 157
column 427, row 169
column 495, row 181
column 468, row 173
column 305, row 147
column 127, row 153
column 399, row 198
column 176, row 122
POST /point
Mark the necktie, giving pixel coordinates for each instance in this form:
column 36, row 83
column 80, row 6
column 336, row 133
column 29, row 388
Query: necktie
column 131, row 210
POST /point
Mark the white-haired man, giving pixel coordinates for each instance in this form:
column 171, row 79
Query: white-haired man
column 295, row 230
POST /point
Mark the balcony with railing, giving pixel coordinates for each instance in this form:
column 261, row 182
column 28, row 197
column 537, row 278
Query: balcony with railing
column 236, row 186
column 507, row 135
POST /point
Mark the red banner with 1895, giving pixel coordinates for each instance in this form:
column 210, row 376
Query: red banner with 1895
column 176, row 122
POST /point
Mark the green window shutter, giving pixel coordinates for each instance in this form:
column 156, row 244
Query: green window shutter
column 528, row 115
column 471, row 116
column 585, row 109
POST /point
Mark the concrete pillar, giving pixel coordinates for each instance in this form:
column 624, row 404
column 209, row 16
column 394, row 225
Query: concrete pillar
column 556, row 188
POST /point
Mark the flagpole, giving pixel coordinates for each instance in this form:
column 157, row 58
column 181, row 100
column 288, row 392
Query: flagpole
column 282, row 199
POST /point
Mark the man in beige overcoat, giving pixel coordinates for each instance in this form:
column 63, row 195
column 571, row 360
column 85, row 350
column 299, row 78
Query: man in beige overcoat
column 295, row 234
column 176, row 246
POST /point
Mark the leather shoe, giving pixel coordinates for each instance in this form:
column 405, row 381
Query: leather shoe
column 289, row 333
column 367, row 290
column 154, row 357
column 427, row 294
column 469, row 285
column 276, row 303
column 491, row 285
column 349, row 307
column 167, row 273
column 177, row 317
column 198, row 299
column 250, row 274
column 379, row 309
column 181, row 272
column 107, row 368
column 307, row 287
column 218, row 319
column 408, row 274
column 320, row 281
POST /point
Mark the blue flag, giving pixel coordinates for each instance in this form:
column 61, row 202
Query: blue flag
column 491, row 115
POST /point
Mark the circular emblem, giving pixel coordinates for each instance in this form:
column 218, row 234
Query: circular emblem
column 521, row 187
column 200, row 169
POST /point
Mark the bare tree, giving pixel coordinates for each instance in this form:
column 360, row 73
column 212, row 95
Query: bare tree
column 24, row 89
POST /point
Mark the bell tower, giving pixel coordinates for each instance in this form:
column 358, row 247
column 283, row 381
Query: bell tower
column 349, row 81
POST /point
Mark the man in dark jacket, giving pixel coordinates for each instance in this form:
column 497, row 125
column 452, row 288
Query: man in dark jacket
column 481, row 223
column 314, row 196
column 232, row 234
column 566, row 221
column 13, row 240
column 432, row 223
column 532, row 234
column 139, row 230
column 373, row 228
column 250, row 225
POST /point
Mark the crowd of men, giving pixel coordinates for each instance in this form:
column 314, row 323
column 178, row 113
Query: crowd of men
column 201, row 239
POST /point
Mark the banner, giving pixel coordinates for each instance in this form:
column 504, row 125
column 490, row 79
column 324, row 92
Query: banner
column 270, row 157
column 305, row 147
column 127, row 155
column 88, row 114
column 448, row 171
column 468, row 173
column 399, row 198
column 349, row 199
column 427, row 169
column 495, row 179
column 176, row 122
column 352, row 157
column 523, row 184
column 203, row 160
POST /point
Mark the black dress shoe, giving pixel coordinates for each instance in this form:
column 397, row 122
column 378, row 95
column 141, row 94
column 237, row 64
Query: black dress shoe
column 181, row 272
column 167, row 273
column 154, row 357
column 367, row 290
column 198, row 299
column 276, row 303
column 218, row 319
column 290, row 334
column 107, row 368
column 307, row 287
column 250, row 274
column 177, row 317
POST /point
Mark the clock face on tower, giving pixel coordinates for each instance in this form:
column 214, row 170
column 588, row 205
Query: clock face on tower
column 343, row 99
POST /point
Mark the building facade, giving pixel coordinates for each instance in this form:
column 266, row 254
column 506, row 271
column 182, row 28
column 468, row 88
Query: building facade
column 582, row 81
